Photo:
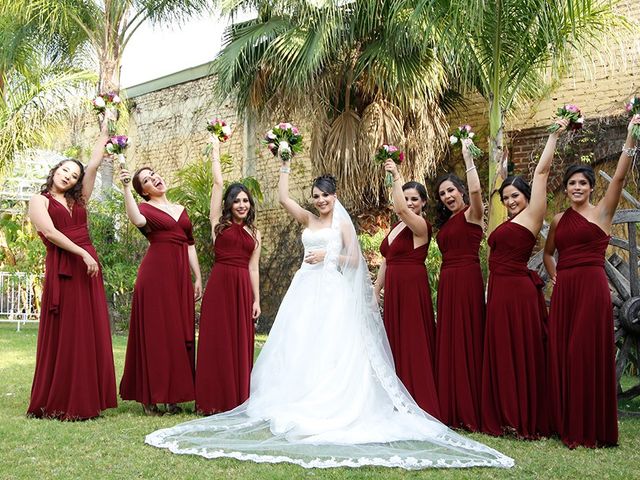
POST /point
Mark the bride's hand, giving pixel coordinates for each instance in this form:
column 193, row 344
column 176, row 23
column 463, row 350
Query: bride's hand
column 315, row 256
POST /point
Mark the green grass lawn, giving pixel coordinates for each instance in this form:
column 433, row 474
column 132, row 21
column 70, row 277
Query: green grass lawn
column 113, row 446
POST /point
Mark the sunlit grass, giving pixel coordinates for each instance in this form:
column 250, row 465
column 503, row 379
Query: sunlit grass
column 112, row 447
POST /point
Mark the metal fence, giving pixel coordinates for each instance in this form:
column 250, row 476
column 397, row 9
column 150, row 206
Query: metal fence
column 20, row 297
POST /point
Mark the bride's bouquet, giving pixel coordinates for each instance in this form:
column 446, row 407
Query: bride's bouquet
column 116, row 146
column 283, row 140
column 572, row 113
column 465, row 131
column 107, row 104
column 385, row 152
column 633, row 107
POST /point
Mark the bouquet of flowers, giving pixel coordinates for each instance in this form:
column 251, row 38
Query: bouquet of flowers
column 572, row 113
column 107, row 104
column 465, row 131
column 633, row 107
column 116, row 146
column 219, row 128
column 283, row 140
column 385, row 152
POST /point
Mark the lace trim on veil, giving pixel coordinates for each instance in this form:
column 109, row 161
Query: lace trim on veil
column 237, row 434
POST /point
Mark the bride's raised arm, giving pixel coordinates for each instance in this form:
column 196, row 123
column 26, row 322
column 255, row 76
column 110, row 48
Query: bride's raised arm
column 290, row 205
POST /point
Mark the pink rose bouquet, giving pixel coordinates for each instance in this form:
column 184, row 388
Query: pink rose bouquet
column 284, row 141
column 465, row 131
column 572, row 113
column 116, row 146
column 385, row 152
column 633, row 107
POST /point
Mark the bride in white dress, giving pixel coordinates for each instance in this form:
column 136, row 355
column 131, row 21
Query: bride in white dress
column 324, row 392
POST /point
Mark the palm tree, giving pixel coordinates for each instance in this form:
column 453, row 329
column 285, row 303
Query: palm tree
column 107, row 26
column 102, row 29
column 508, row 50
column 36, row 81
column 341, row 65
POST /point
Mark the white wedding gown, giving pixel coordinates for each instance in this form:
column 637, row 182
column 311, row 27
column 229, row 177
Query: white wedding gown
column 324, row 391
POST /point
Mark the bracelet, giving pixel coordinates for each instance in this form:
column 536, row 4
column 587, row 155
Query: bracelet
column 395, row 179
column 630, row 151
column 284, row 169
column 472, row 167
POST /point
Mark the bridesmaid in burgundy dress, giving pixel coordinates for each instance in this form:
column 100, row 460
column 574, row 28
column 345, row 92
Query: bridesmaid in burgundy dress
column 160, row 361
column 408, row 310
column 514, row 387
column 231, row 300
column 460, row 332
column 581, row 359
column 74, row 377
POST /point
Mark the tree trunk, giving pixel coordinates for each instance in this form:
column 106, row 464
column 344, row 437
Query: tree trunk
column 109, row 81
column 497, row 165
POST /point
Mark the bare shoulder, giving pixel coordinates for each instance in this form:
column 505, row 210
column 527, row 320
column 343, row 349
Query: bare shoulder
column 38, row 199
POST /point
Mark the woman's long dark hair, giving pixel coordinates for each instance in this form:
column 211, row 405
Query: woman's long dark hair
column 226, row 219
column 442, row 212
column 74, row 194
column 519, row 183
column 584, row 169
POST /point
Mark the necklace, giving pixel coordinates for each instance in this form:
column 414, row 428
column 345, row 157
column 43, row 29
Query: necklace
column 162, row 206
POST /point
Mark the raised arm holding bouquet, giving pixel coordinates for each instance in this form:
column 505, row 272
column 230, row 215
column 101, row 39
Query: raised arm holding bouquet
column 284, row 141
column 464, row 132
column 219, row 129
column 570, row 112
column 388, row 152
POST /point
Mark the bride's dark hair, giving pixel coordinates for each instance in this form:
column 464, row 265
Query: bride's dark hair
column 325, row 183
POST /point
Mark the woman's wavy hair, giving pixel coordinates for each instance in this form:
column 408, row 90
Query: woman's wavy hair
column 226, row 219
column 74, row 194
column 442, row 212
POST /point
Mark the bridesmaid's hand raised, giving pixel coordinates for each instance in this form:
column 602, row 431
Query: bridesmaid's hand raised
column 391, row 167
column 125, row 177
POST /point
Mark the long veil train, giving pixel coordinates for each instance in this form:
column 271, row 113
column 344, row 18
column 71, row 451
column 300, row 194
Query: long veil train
column 324, row 392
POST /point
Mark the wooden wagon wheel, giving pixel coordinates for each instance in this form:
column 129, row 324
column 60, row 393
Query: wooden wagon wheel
column 625, row 295
column 622, row 273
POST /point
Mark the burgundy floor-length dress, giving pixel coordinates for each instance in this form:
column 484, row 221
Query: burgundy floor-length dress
column 514, row 395
column 460, row 331
column 582, row 374
column 160, row 360
column 225, row 342
column 408, row 317
column 74, row 377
